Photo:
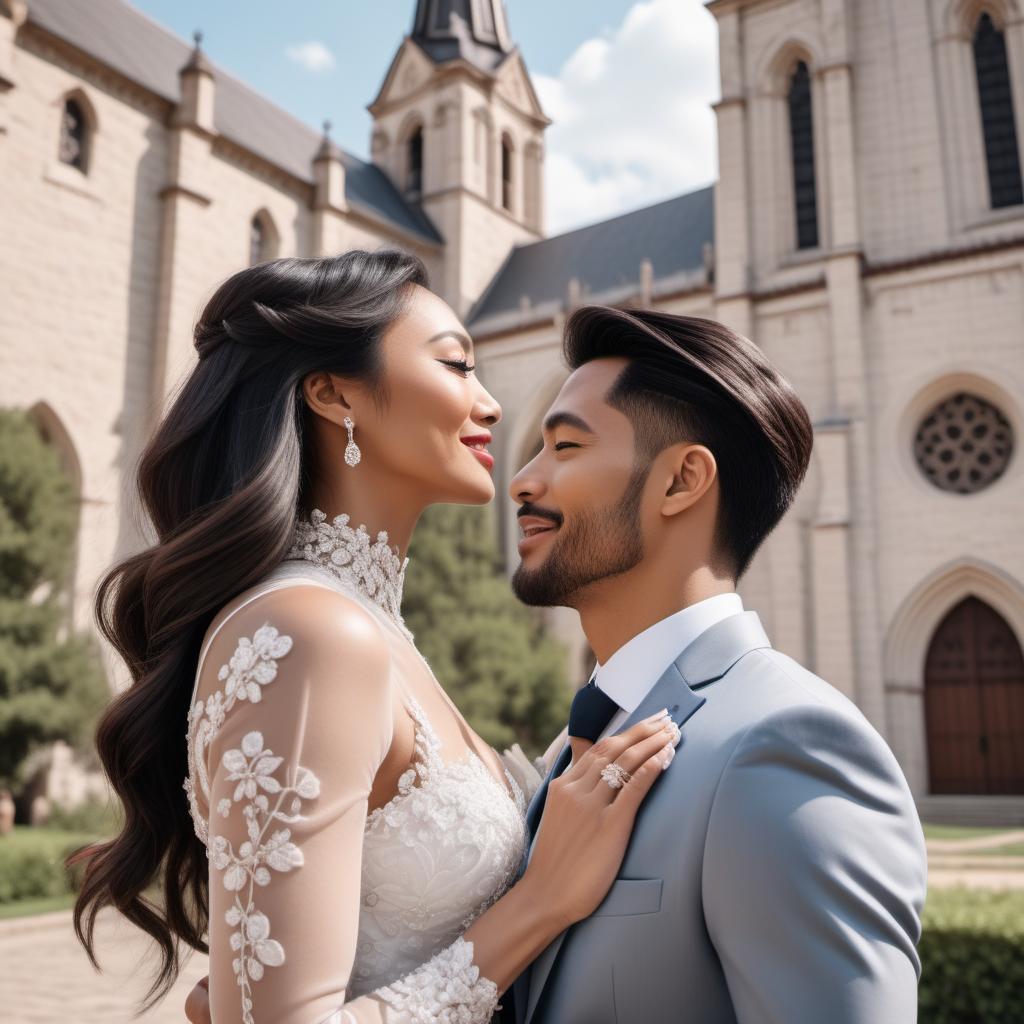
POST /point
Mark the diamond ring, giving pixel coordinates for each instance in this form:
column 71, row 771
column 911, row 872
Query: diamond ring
column 615, row 775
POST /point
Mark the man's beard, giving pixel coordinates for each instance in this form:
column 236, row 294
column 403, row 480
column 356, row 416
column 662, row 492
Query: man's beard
column 597, row 545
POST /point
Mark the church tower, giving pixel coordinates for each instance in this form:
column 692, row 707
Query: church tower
column 458, row 128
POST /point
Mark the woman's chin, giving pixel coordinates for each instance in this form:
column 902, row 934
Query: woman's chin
column 471, row 492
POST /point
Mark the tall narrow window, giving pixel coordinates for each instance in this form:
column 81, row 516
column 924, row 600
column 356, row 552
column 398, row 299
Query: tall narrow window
column 415, row 179
column 801, row 131
column 506, row 173
column 997, row 123
column 73, row 148
column 257, row 241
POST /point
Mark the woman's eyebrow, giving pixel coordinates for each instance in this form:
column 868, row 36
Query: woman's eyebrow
column 462, row 339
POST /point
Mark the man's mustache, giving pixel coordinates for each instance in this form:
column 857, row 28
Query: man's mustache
column 528, row 509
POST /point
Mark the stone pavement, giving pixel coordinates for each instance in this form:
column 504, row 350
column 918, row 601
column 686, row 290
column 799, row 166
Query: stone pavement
column 46, row 978
column 964, row 862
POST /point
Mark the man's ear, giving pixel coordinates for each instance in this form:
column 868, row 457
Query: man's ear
column 693, row 470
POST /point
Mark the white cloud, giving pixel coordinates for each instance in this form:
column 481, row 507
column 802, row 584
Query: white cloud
column 632, row 117
column 313, row 56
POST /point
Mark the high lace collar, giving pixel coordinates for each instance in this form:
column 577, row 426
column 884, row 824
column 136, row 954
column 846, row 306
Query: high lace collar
column 373, row 567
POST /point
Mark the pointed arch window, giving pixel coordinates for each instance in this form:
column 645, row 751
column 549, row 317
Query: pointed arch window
column 257, row 241
column 73, row 148
column 263, row 238
column 414, row 182
column 801, row 133
column 506, row 172
column 1002, row 154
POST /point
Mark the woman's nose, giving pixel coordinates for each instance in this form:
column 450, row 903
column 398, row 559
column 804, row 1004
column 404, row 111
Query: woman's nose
column 488, row 411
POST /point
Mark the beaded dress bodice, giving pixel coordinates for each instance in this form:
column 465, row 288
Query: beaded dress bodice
column 435, row 856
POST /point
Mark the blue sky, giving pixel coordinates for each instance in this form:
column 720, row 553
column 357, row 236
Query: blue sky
column 627, row 83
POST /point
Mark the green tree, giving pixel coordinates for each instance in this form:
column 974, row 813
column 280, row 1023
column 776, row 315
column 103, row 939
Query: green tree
column 51, row 686
column 491, row 653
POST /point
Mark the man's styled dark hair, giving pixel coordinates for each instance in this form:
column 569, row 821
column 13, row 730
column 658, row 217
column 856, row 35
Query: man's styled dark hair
column 691, row 379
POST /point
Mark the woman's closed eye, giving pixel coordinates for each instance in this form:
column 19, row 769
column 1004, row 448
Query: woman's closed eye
column 566, row 444
column 459, row 364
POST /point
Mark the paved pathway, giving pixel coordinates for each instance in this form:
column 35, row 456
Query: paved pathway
column 45, row 977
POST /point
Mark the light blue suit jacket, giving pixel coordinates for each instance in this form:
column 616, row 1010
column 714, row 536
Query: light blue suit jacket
column 777, row 870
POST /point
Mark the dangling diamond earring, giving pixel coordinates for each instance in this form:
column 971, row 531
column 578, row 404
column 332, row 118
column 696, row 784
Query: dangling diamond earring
column 352, row 452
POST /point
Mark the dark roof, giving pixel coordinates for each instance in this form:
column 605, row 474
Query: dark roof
column 124, row 39
column 605, row 258
column 472, row 30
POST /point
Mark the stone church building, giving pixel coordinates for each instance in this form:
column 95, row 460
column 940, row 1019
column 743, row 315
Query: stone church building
column 867, row 231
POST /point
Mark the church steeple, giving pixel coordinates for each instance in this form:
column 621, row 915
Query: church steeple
column 471, row 30
column 459, row 130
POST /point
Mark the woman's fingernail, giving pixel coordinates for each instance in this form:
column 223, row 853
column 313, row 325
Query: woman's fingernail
column 661, row 714
column 666, row 756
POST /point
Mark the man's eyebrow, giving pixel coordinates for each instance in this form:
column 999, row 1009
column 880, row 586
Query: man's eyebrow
column 462, row 339
column 567, row 419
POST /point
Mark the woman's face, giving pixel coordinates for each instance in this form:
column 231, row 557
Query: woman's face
column 435, row 426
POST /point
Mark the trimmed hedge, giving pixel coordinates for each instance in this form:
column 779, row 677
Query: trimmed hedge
column 32, row 863
column 972, row 957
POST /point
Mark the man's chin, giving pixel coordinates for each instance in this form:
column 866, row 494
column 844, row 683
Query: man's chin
column 535, row 588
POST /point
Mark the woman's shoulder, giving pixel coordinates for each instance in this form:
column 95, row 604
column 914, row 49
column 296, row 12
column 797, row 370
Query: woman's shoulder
column 311, row 624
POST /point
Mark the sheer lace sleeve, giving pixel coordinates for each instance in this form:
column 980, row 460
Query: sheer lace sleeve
column 283, row 748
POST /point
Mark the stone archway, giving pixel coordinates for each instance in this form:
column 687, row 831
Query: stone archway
column 909, row 643
column 974, row 703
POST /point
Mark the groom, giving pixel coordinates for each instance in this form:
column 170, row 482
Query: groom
column 777, row 871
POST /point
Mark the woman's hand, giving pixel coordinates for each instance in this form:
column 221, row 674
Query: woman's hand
column 197, row 1004
column 586, row 824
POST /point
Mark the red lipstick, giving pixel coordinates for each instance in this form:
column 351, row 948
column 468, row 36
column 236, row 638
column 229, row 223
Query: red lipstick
column 477, row 445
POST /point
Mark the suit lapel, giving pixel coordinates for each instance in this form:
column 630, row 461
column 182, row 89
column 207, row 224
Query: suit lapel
column 706, row 659
column 536, row 808
column 521, row 986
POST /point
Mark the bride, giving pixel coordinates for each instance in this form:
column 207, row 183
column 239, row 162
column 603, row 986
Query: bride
column 355, row 850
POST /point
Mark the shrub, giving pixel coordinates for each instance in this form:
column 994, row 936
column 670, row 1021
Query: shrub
column 93, row 817
column 52, row 682
column 972, row 956
column 32, row 863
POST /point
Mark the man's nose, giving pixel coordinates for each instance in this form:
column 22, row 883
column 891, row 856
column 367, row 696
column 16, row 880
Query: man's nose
column 526, row 485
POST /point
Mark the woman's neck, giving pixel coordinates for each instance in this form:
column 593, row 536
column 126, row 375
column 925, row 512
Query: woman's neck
column 374, row 504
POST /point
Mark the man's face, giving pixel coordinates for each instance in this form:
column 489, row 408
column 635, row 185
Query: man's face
column 580, row 496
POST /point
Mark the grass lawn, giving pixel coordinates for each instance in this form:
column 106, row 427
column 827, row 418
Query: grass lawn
column 43, row 905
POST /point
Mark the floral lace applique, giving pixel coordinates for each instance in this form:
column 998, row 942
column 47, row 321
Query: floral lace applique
column 252, row 666
column 372, row 568
column 263, row 798
column 253, row 768
column 448, row 989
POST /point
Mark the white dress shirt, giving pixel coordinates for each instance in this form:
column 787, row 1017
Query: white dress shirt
column 638, row 664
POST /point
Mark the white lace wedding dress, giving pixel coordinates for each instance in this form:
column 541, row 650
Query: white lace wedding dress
column 320, row 911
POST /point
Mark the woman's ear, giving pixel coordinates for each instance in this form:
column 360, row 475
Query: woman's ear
column 327, row 395
column 693, row 470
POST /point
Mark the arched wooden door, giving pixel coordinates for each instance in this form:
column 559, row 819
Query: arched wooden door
column 974, row 703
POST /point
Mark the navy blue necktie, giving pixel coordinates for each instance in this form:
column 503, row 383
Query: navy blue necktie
column 592, row 709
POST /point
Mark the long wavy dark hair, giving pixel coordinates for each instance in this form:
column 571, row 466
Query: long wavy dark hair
column 222, row 479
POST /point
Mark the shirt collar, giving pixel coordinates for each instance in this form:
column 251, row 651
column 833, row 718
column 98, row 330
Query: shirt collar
column 636, row 666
